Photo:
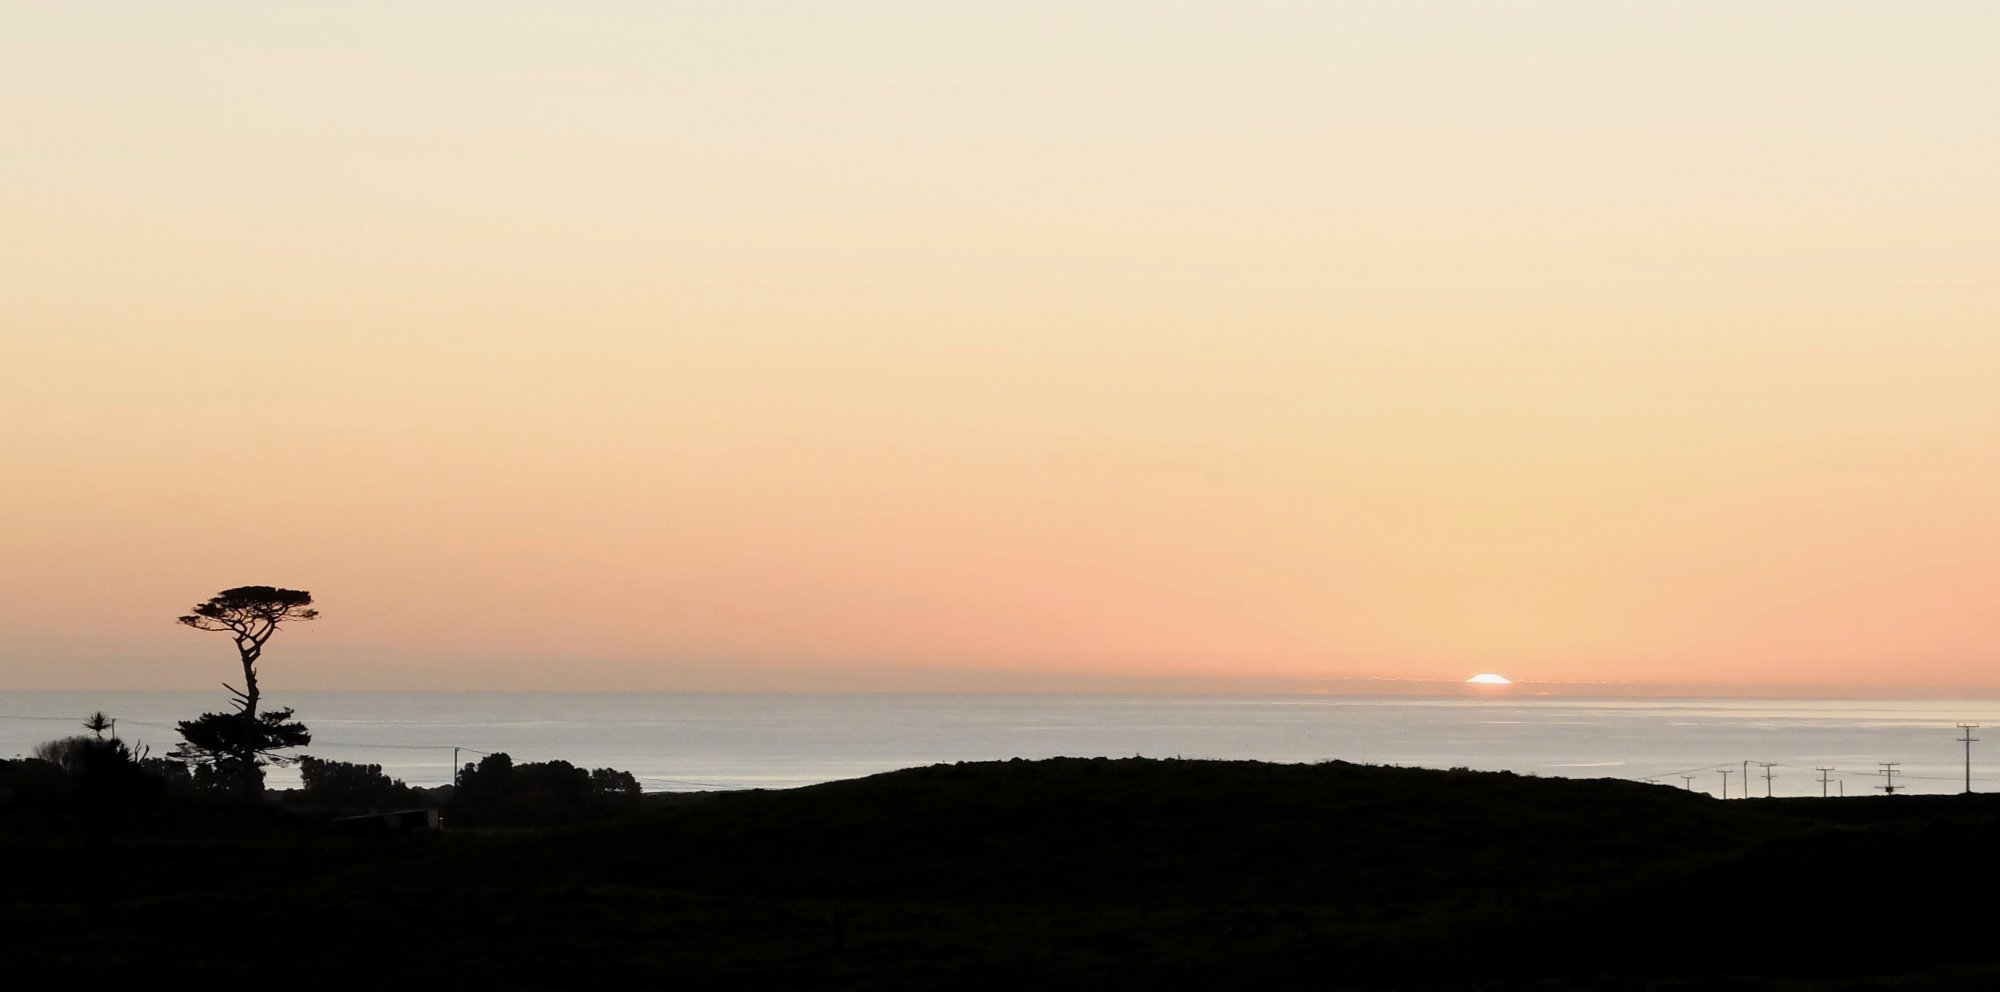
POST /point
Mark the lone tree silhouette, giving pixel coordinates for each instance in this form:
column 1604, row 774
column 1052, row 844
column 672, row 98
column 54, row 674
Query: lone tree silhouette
column 238, row 745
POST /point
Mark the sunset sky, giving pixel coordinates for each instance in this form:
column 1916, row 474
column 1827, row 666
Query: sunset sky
column 1003, row 345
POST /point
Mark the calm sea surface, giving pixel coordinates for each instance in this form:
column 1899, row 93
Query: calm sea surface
column 689, row 741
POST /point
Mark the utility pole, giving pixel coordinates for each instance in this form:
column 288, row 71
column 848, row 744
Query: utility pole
column 1767, row 780
column 1889, row 772
column 1822, row 780
column 454, row 768
column 1724, row 772
column 1687, row 782
column 1967, row 738
column 1746, row 778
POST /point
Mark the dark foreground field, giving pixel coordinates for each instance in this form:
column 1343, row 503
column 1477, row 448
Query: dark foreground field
column 1064, row 873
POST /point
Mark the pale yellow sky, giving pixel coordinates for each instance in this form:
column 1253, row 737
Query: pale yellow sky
column 753, row 345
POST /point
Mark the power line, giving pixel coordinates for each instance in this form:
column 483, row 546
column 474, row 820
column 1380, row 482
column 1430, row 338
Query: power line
column 698, row 785
column 392, row 747
column 1696, row 770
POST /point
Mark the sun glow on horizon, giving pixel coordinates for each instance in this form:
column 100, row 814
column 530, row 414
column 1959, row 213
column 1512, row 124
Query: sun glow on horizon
column 1488, row 678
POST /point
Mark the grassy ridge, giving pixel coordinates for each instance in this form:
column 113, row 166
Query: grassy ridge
column 1061, row 873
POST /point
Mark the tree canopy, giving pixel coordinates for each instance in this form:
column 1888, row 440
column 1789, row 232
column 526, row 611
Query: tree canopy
column 498, row 792
column 345, row 785
column 236, row 745
column 252, row 613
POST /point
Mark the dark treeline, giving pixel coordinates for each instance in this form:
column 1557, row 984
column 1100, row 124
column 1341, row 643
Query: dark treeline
column 498, row 792
column 223, row 754
column 115, row 784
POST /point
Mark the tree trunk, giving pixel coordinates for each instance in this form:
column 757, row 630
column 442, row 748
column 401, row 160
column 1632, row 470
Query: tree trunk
column 249, row 777
column 249, row 653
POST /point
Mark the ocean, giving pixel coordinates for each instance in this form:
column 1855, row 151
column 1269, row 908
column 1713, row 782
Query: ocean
column 702, row 741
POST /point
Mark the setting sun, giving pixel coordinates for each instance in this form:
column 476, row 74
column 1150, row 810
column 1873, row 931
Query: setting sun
column 1488, row 678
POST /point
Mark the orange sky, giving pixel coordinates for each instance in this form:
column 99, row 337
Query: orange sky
column 1003, row 345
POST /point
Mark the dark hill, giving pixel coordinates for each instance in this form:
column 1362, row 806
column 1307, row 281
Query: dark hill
column 1092, row 831
column 1062, row 873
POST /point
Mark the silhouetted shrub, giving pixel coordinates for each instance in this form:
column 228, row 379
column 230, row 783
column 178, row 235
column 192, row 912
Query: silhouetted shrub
column 173, row 775
column 101, row 772
column 345, row 785
column 611, row 786
column 72, row 754
column 498, row 792
column 31, row 780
